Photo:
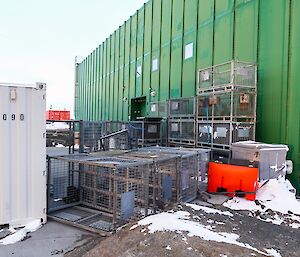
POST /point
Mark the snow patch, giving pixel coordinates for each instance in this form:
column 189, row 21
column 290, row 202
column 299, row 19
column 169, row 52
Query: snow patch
column 169, row 248
column 179, row 221
column 209, row 210
column 21, row 234
column 277, row 195
column 273, row 252
column 57, row 125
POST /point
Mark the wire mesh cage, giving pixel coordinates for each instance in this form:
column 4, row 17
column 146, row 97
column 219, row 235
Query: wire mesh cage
column 145, row 132
column 114, row 185
column 193, row 167
column 183, row 107
column 222, row 134
column 90, row 135
column 164, row 180
column 159, row 109
column 62, row 183
column 227, row 105
column 230, row 74
column 181, row 132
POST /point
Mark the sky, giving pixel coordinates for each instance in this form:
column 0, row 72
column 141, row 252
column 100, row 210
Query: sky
column 39, row 40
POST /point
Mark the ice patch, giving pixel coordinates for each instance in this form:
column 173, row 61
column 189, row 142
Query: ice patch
column 21, row 234
column 209, row 210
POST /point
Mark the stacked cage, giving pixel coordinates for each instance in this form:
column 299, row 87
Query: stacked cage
column 146, row 132
column 164, row 178
column 226, row 104
column 90, row 135
column 193, row 167
column 117, row 187
column 181, row 123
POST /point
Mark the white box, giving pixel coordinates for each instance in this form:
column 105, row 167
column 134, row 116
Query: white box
column 22, row 154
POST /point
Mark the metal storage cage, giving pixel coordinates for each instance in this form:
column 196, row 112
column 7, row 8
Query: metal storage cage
column 183, row 107
column 114, row 186
column 90, row 134
column 147, row 131
column 227, row 105
column 164, row 183
column 181, row 132
column 227, row 76
column 159, row 109
column 22, row 154
column 220, row 135
column 197, row 170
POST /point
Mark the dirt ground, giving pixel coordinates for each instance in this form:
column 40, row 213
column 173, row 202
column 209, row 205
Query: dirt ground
column 138, row 242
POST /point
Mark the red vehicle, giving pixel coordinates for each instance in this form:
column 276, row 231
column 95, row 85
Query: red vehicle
column 57, row 115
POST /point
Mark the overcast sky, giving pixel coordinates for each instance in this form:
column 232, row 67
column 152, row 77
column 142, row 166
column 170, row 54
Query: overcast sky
column 39, row 39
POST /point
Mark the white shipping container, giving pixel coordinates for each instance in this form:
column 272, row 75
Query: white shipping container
column 22, row 154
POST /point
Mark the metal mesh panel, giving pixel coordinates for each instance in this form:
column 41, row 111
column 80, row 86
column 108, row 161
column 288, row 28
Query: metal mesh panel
column 159, row 109
column 181, row 131
column 215, row 134
column 228, row 74
column 183, row 107
column 63, row 184
column 187, row 166
column 90, row 134
column 243, row 131
column 227, row 105
column 115, row 185
column 164, row 181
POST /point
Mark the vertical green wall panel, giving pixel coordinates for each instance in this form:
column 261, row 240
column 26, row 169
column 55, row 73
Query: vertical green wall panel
column 176, row 48
column 205, row 33
column 223, row 32
column 293, row 103
column 190, row 38
column 246, row 30
column 121, row 73
column 88, row 98
column 111, row 76
column 100, row 100
column 165, row 50
column 147, row 51
column 156, row 39
column 94, row 85
column 116, row 75
column 140, row 53
column 126, row 71
column 133, row 56
column 107, row 86
column 272, row 70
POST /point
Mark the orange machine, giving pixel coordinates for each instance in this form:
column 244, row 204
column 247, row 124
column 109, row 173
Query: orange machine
column 233, row 180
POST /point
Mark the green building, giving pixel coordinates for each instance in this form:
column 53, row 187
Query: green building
column 156, row 53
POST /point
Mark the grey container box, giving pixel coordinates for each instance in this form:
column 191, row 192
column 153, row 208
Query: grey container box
column 271, row 157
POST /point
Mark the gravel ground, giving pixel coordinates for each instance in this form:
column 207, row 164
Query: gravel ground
column 255, row 232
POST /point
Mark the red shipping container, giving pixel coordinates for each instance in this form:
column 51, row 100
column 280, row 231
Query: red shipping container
column 236, row 180
column 57, row 115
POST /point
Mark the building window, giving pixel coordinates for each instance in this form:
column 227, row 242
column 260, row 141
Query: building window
column 154, row 64
column 189, row 51
column 138, row 71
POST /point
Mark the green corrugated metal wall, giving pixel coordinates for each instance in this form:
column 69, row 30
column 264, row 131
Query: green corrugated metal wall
column 215, row 31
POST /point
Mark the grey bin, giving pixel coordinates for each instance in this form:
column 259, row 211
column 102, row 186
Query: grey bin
column 271, row 157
